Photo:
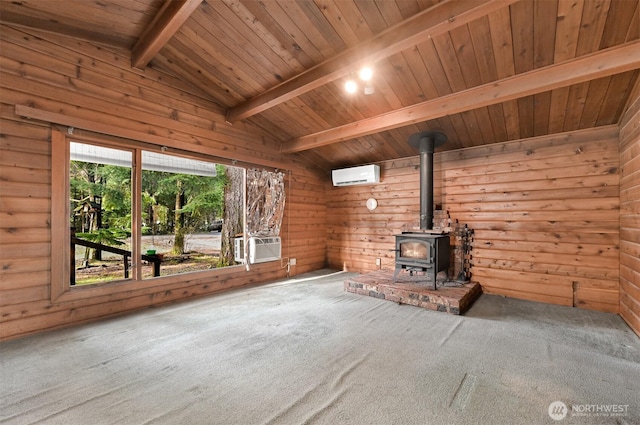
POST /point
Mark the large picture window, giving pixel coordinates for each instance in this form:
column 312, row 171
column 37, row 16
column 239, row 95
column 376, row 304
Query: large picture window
column 130, row 212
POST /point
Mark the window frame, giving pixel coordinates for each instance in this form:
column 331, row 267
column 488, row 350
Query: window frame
column 61, row 289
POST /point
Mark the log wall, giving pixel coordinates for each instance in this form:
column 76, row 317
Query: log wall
column 90, row 84
column 630, row 214
column 545, row 212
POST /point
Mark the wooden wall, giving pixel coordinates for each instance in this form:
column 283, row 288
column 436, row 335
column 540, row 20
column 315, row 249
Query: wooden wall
column 545, row 212
column 630, row 214
column 89, row 84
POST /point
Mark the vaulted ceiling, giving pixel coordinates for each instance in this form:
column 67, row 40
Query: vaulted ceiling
column 482, row 71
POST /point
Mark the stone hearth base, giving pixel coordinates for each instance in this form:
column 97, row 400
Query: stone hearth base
column 409, row 290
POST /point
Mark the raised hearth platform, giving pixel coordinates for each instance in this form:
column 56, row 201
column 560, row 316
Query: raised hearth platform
column 414, row 290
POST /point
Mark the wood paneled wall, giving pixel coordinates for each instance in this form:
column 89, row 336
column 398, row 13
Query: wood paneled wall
column 76, row 79
column 545, row 212
column 630, row 214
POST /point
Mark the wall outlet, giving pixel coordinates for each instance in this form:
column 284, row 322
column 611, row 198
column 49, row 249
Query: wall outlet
column 292, row 262
column 378, row 262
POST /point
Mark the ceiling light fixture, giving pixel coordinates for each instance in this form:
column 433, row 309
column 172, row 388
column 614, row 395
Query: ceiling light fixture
column 369, row 89
column 351, row 86
column 365, row 75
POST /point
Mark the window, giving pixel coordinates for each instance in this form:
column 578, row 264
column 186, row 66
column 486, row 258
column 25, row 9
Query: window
column 182, row 208
column 99, row 213
column 130, row 224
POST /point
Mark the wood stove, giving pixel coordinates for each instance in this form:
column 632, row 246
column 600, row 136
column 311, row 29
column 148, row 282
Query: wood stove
column 424, row 250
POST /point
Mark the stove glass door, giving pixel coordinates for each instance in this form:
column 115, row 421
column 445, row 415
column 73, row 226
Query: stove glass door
column 415, row 250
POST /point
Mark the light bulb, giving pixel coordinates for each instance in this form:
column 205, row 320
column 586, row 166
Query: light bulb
column 366, row 73
column 351, row 86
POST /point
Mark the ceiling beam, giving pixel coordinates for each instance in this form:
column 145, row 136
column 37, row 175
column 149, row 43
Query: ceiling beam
column 165, row 24
column 615, row 60
column 431, row 22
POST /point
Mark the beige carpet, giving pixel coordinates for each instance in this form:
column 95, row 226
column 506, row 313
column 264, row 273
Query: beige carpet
column 304, row 351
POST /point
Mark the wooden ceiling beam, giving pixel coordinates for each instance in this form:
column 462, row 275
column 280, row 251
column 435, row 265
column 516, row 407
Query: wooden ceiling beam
column 615, row 60
column 165, row 24
column 431, row 22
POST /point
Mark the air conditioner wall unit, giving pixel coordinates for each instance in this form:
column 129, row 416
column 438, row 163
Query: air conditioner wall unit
column 238, row 250
column 264, row 249
column 261, row 249
column 364, row 174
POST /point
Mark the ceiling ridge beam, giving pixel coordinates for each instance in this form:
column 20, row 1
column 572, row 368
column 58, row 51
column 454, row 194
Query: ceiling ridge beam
column 614, row 60
column 165, row 24
column 429, row 23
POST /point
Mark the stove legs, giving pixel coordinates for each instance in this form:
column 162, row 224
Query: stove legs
column 429, row 271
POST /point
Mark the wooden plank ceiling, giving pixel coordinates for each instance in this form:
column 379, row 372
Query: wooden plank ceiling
column 482, row 71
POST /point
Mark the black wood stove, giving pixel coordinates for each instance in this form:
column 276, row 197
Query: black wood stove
column 423, row 250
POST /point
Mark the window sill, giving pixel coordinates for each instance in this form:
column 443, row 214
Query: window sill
column 126, row 288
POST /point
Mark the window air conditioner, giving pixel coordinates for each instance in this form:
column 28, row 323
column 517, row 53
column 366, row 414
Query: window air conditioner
column 238, row 250
column 260, row 249
column 364, row 174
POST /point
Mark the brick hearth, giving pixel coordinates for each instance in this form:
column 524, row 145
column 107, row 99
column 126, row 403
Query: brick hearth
column 413, row 290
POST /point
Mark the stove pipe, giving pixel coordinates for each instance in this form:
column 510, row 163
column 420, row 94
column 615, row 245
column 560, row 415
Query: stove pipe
column 426, row 142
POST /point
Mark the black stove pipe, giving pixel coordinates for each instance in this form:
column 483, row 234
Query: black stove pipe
column 426, row 142
column 426, row 183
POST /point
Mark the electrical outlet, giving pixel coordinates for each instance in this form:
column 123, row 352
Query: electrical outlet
column 378, row 262
column 292, row 262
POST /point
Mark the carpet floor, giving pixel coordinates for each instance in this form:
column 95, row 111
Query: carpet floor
column 304, row 351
